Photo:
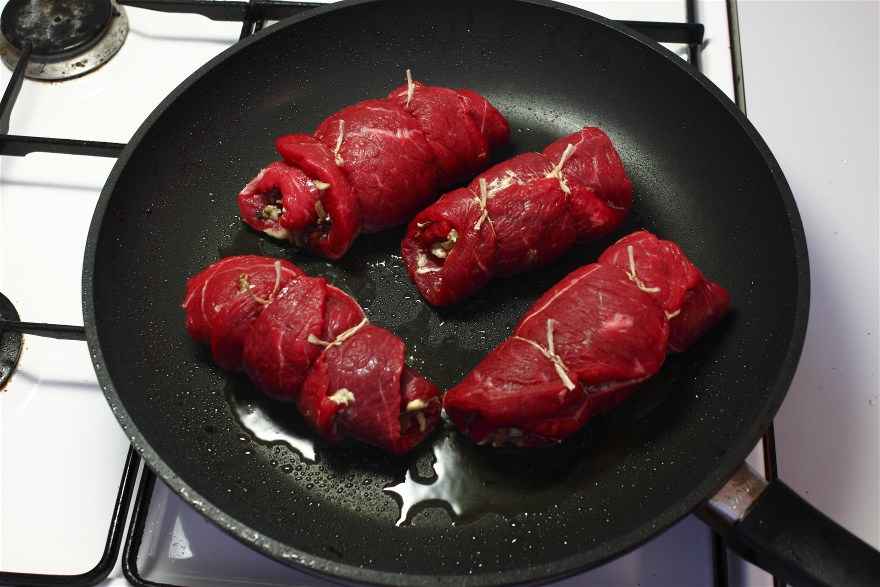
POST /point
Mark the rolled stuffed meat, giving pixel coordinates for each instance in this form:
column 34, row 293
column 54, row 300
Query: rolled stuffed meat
column 516, row 216
column 692, row 303
column 372, row 166
column 302, row 340
column 586, row 344
column 223, row 301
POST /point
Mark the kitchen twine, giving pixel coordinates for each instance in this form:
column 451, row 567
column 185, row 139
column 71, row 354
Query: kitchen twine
column 550, row 353
column 343, row 336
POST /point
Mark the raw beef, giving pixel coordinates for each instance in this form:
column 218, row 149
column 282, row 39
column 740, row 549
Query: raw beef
column 372, row 166
column 279, row 201
column 280, row 347
column 277, row 351
column 337, row 218
column 460, row 126
column 386, row 157
column 224, row 299
column 586, row 344
column 693, row 304
column 517, row 216
column 361, row 388
column 601, row 193
column 302, row 340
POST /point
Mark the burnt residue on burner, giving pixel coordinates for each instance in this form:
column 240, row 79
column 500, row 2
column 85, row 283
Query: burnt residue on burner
column 67, row 38
column 55, row 28
column 10, row 342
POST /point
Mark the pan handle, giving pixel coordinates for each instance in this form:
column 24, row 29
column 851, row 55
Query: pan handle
column 772, row 526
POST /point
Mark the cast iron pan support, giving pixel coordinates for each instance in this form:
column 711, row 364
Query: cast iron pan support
column 126, row 486
column 18, row 145
column 57, row 331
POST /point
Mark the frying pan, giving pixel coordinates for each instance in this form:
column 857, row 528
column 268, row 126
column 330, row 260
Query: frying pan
column 703, row 178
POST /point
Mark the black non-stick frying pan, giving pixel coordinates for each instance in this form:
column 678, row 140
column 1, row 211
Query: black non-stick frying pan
column 703, row 178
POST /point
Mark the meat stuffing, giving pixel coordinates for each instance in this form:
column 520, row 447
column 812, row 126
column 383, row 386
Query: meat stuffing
column 517, row 216
column 586, row 344
column 302, row 340
column 372, row 166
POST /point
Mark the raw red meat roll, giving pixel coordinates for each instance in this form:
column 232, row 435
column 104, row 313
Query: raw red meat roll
column 301, row 339
column 601, row 193
column 517, row 216
column 337, row 218
column 586, row 344
column 277, row 351
column 224, row 299
column 692, row 303
column 360, row 387
column 282, row 343
column 460, row 126
column 386, row 158
column 372, row 166
column 279, row 201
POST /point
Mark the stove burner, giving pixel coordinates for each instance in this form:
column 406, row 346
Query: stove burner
column 10, row 342
column 67, row 37
column 55, row 28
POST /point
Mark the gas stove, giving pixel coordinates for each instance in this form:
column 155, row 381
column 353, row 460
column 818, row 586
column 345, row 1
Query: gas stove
column 74, row 501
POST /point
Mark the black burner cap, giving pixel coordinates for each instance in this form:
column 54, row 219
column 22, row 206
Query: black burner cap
column 55, row 29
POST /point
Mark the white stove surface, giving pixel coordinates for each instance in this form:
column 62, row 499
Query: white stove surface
column 61, row 450
column 819, row 111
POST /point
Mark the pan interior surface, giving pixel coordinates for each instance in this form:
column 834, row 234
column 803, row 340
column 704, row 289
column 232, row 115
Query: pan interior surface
column 169, row 210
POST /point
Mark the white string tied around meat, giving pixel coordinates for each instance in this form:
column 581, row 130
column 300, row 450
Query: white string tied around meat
column 410, row 86
column 267, row 301
column 339, row 139
column 550, row 353
column 557, row 170
column 481, row 200
column 343, row 336
column 631, row 273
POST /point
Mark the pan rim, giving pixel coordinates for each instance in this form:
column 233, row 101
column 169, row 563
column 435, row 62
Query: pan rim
column 560, row 568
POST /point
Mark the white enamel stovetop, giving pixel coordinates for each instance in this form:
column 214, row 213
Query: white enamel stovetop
column 61, row 451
